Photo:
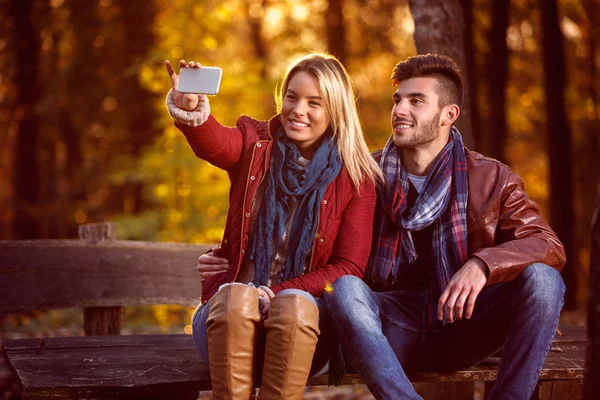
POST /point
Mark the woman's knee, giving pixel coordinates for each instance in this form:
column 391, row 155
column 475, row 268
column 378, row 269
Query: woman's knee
column 234, row 302
column 199, row 335
column 299, row 292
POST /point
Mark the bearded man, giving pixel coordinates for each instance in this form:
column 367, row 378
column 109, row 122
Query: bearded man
column 462, row 263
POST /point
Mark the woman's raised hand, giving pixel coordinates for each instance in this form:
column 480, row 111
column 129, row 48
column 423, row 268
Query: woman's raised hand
column 185, row 101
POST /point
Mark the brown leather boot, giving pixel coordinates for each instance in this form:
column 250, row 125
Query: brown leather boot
column 232, row 331
column 292, row 330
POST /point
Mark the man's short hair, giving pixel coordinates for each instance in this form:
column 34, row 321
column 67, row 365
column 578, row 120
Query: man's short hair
column 442, row 68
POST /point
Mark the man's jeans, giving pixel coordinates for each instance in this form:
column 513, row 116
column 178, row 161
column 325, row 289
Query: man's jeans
column 385, row 334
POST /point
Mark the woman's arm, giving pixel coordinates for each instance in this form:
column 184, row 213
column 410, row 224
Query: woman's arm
column 211, row 141
column 351, row 248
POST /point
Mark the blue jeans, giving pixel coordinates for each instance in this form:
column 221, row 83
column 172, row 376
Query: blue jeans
column 321, row 353
column 519, row 316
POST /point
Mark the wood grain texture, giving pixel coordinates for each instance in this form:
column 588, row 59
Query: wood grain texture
column 100, row 320
column 47, row 274
column 122, row 366
column 558, row 390
column 108, row 366
column 98, row 232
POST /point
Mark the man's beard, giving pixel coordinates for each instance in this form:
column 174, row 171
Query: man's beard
column 425, row 134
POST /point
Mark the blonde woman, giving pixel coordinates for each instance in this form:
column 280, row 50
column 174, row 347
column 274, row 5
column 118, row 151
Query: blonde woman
column 300, row 215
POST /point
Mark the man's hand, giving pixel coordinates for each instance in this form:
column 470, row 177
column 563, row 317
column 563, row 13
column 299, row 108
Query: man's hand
column 185, row 101
column 209, row 264
column 264, row 303
column 464, row 286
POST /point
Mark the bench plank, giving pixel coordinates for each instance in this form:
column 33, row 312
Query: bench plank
column 108, row 366
column 163, row 365
column 50, row 274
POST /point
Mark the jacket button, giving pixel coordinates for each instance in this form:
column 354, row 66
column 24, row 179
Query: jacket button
column 252, row 178
column 324, row 201
column 225, row 241
column 247, row 215
column 243, row 251
column 258, row 145
column 320, row 240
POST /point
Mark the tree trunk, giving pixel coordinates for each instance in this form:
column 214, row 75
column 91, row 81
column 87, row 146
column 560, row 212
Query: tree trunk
column 256, row 36
column 592, row 10
column 336, row 33
column 472, row 80
column 26, row 172
column 497, row 69
column 591, row 386
column 440, row 28
column 559, row 144
column 139, row 39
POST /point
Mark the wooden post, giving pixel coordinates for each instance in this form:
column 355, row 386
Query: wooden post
column 100, row 320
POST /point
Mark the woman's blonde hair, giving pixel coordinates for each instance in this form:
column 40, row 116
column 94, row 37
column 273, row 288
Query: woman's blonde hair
column 340, row 105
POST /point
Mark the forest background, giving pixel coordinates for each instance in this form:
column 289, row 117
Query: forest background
column 85, row 135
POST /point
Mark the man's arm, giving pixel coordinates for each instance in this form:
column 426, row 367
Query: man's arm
column 522, row 237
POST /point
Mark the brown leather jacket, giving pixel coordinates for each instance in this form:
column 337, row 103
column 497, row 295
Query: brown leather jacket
column 504, row 227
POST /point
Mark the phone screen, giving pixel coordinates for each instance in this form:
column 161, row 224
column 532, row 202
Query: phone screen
column 203, row 80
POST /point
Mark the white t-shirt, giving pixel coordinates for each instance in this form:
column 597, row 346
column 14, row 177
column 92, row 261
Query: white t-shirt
column 417, row 181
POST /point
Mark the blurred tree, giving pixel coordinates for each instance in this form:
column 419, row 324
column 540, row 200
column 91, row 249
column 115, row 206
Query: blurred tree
column 440, row 28
column 26, row 224
column 54, row 196
column 579, row 20
column 471, row 75
column 379, row 34
column 141, row 126
column 559, row 142
column 74, row 116
column 7, row 122
column 255, row 11
column 592, row 11
column 336, row 30
column 591, row 386
column 497, row 70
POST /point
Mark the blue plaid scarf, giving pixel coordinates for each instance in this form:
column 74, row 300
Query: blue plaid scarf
column 442, row 202
column 288, row 182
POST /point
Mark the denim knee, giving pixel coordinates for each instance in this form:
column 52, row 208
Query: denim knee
column 543, row 284
column 348, row 284
column 199, row 335
column 299, row 292
column 346, row 290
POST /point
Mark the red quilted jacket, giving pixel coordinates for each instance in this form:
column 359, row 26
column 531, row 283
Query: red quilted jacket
column 343, row 239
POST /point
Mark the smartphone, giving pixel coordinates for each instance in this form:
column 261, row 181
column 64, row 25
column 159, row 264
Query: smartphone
column 203, row 80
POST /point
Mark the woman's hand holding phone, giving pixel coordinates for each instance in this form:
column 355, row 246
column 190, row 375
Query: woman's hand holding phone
column 185, row 101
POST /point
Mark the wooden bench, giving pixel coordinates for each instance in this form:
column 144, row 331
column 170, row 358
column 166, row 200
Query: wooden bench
column 102, row 275
column 166, row 366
